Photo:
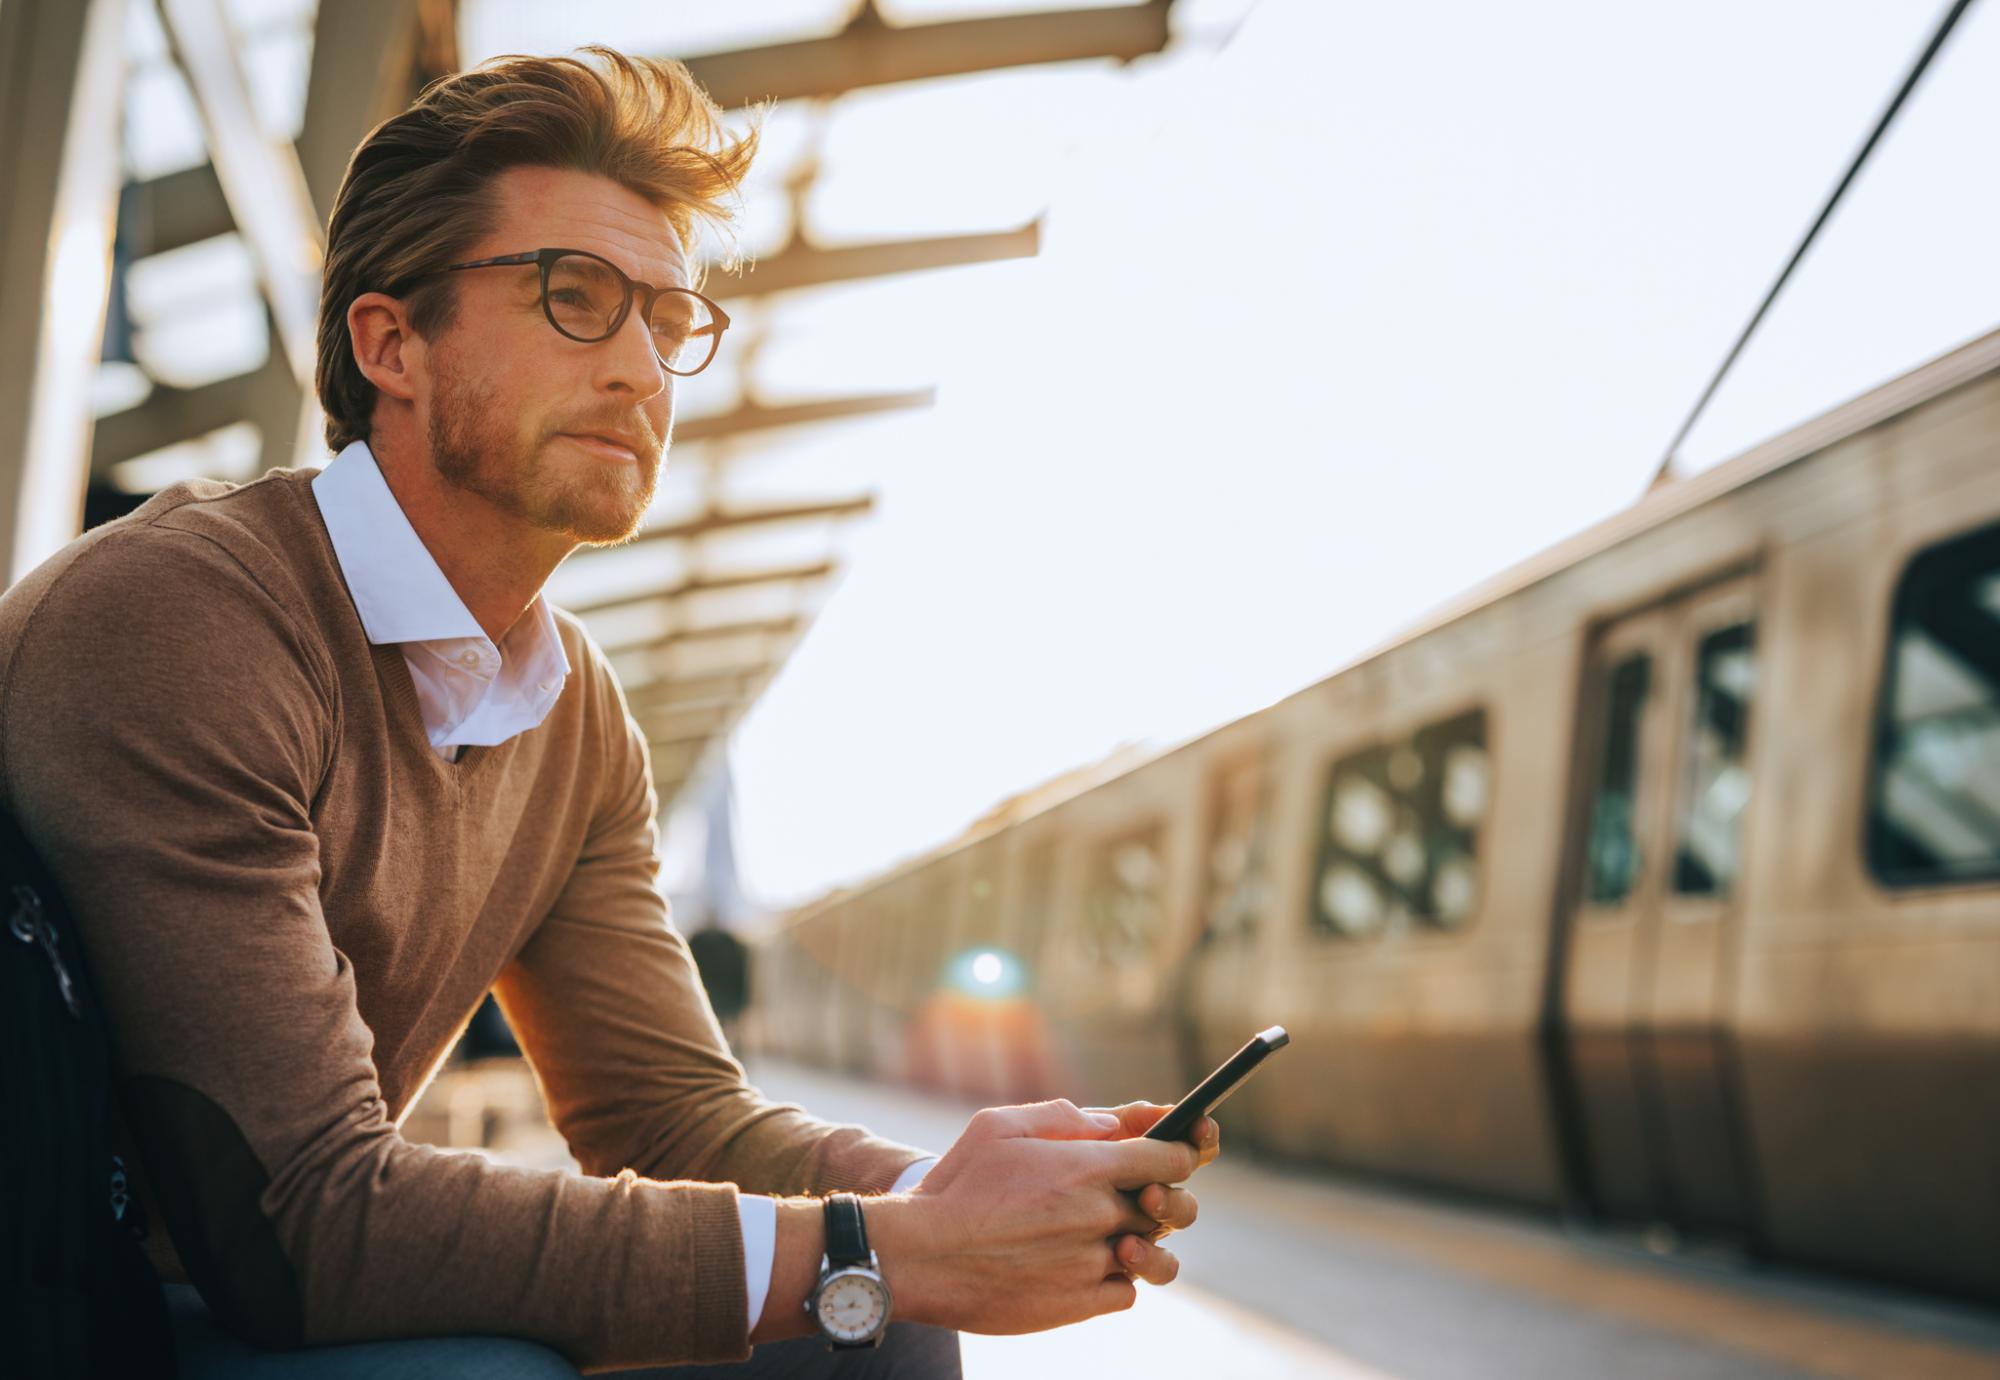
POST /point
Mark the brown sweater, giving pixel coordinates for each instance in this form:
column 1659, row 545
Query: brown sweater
column 291, row 907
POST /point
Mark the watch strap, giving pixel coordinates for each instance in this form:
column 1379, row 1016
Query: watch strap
column 846, row 1233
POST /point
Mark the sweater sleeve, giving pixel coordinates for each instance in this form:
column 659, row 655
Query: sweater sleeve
column 609, row 1008
column 166, row 725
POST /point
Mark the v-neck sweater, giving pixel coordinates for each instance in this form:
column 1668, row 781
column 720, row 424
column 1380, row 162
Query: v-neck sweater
column 291, row 906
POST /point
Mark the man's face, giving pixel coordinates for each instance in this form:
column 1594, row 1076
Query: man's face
column 564, row 435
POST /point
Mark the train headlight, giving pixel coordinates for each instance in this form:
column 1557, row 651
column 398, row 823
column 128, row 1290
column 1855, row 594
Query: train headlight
column 987, row 973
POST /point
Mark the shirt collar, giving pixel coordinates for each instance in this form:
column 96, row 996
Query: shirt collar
column 398, row 589
column 395, row 582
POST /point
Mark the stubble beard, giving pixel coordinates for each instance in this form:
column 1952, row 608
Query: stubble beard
column 596, row 502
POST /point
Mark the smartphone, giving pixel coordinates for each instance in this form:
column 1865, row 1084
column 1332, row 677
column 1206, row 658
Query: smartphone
column 1216, row 1088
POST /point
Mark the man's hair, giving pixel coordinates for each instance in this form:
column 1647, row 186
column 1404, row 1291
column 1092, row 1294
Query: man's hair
column 418, row 192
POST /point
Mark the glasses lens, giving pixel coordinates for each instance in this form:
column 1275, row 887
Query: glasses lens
column 684, row 331
column 585, row 297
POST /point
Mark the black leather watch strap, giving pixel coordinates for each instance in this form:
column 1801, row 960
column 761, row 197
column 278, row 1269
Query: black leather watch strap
column 846, row 1233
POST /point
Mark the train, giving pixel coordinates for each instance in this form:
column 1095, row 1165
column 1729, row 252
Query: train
column 1654, row 882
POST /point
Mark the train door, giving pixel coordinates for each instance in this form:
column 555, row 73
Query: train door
column 1215, row 982
column 1651, row 928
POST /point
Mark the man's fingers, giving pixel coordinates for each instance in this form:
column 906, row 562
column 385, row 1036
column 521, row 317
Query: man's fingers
column 1134, row 1219
column 1057, row 1120
column 1173, row 1208
column 1144, row 1260
column 1114, row 1295
column 1136, row 1163
column 1207, row 1138
column 1137, row 1118
column 1134, row 1118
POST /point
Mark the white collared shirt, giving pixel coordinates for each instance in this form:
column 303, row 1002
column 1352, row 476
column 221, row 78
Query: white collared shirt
column 473, row 693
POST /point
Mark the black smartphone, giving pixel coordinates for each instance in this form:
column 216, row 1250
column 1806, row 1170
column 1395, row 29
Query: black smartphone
column 1214, row 1089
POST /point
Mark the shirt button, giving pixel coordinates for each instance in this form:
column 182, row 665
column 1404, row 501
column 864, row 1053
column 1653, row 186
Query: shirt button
column 468, row 659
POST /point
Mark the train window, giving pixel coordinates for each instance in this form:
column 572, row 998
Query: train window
column 1611, row 846
column 1935, row 816
column 1238, row 887
column 1399, row 834
column 1715, row 780
column 1126, row 914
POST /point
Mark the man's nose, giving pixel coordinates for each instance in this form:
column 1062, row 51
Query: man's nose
column 632, row 364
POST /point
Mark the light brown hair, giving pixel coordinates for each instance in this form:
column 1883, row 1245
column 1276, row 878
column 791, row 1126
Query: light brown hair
column 417, row 192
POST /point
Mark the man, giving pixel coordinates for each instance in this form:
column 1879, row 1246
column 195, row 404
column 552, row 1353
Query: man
column 316, row 766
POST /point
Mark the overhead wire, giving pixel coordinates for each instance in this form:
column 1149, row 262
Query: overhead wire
column 1888, row 116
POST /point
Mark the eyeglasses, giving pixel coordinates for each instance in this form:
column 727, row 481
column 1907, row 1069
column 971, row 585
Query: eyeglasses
column 587, row 298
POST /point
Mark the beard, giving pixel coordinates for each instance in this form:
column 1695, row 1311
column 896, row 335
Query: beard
column 596, row 502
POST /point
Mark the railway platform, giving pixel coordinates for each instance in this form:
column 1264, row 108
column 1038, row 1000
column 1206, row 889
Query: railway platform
column 1294, row 1273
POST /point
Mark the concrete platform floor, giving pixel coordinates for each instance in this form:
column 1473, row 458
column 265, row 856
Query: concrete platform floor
column 1293, row 1273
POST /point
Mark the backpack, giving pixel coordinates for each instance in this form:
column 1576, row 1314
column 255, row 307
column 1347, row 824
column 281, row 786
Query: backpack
column 78, row 1297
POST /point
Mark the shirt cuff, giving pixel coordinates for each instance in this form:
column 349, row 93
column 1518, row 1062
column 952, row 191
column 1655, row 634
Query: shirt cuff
column 759, row 1217
column 913, row 1176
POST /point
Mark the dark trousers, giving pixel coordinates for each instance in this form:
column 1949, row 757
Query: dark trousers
column 912, row 1351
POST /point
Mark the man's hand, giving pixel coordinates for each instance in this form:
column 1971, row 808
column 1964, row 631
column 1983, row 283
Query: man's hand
column 1173, row 1209
column 1030, row 1220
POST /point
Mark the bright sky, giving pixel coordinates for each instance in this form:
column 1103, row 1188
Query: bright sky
column 1376, row 302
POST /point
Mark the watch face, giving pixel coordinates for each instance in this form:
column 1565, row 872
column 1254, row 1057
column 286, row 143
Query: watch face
column 853, row 1307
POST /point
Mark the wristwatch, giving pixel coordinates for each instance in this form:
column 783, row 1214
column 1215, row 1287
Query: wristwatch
column 850, row 1304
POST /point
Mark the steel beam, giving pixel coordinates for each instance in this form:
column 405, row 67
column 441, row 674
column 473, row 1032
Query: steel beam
column 674, row 738
column 261, row 178
column 766, row 641
column 61, row 86
column 749, row 677
column 652, row 708
column 869, row 52
column 674, row 765
column 703, row 584
column 700, row 632
column 754, row 416
column 181, row 208
column 803, row 265
column 771, row 627
column 687, row 727
column 743, row 684
column 367, row 43
column 369, row 60
column 173, row 211
column 180, row 414
column 721, row 520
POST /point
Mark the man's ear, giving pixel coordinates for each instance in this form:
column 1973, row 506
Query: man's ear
column 388, row 353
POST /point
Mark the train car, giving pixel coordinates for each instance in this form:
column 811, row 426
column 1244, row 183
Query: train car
column 1659, row 879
